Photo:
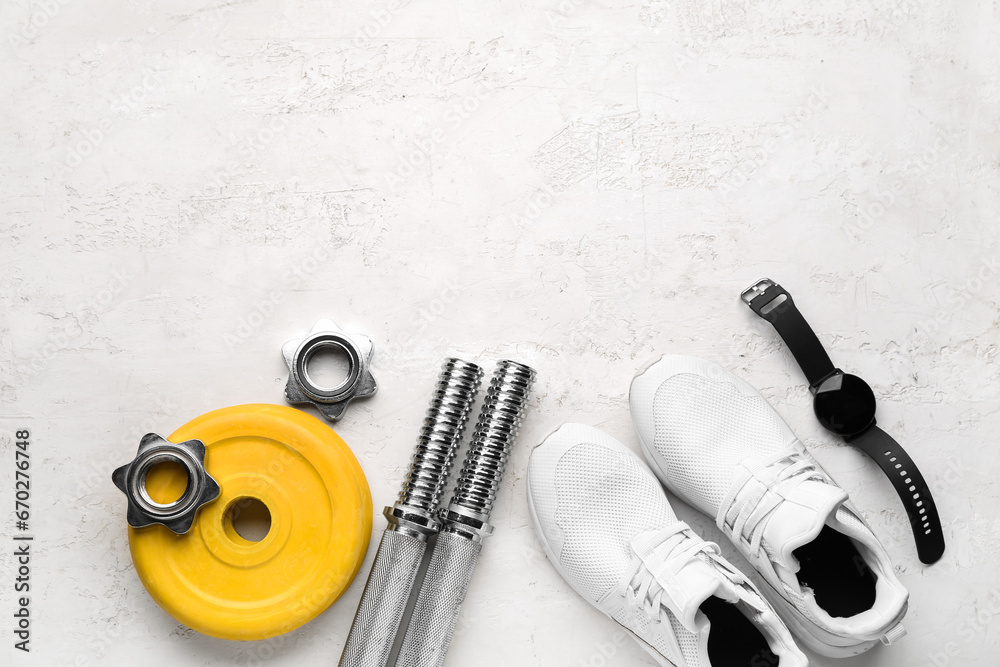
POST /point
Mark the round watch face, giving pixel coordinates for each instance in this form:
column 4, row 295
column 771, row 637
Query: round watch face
column 845, row 404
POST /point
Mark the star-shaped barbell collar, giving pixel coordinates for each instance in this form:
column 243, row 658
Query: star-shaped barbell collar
column 179, row 514
column 331, row 401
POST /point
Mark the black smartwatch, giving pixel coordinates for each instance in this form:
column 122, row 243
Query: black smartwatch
column 845, row 405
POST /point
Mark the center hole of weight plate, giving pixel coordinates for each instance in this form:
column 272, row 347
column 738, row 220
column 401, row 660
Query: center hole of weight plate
column 250, row 518
column 328, row 367
column 166, row 482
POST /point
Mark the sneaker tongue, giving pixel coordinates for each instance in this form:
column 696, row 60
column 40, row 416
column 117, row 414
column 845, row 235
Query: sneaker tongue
column 799, row 519
column 685, row 585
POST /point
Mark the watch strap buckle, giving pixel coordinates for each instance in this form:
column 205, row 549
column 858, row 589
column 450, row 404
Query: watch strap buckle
column 762, row 294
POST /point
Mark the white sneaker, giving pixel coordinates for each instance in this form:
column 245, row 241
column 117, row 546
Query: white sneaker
column 713, row 440
column 607, row 527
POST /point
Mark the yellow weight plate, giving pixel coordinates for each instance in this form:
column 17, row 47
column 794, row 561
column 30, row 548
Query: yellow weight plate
column 218, row 583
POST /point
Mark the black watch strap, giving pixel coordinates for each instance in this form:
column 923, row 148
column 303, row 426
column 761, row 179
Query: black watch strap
column 845, row 405
column 770, row 300
column 911, row 488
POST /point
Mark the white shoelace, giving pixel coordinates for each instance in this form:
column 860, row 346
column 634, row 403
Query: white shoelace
column 676, row 546
column 756, row 492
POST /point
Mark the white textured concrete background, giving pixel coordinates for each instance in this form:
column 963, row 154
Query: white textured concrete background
column 577, row 185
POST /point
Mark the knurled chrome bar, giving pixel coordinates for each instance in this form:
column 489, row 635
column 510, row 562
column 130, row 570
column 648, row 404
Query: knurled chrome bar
column 456, row 552
column 412, row 519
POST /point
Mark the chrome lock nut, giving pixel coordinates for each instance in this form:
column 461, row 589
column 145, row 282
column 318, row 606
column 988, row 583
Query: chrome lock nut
column 178, row 515
column 331, row 401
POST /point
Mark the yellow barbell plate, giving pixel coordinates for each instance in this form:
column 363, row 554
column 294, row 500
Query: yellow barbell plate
column 218, row 583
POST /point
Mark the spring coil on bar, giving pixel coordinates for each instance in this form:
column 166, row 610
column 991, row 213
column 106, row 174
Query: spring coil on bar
column 447, row 415
column 499, row 420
